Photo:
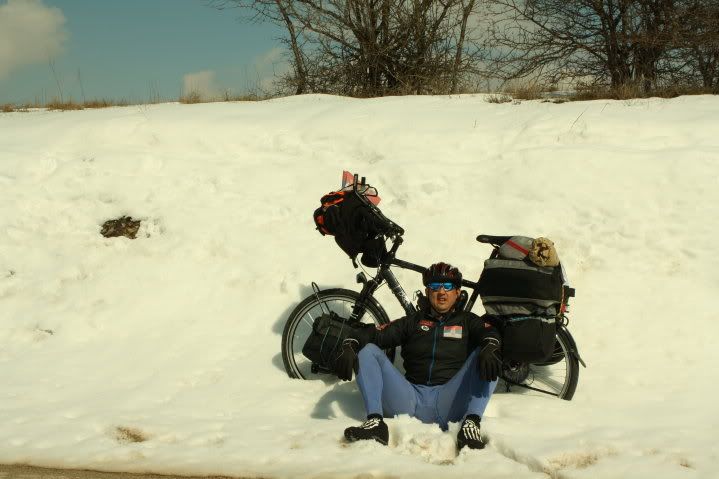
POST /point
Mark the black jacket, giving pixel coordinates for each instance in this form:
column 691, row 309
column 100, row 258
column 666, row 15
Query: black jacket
column 433, row 348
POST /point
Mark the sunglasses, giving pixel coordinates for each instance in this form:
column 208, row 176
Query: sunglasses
column 446, row 286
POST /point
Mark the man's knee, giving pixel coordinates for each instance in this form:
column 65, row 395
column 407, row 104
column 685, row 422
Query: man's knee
column 368, row 351
column 470, row 364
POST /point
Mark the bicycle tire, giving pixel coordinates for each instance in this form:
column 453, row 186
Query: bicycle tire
column 299, row 324
column 557, row 376
column 570, row 357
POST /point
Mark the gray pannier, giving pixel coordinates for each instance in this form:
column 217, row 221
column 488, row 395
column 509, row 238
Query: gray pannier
column 525, row 298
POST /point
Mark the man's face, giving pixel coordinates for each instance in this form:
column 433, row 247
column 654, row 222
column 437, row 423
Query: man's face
column 441, row 299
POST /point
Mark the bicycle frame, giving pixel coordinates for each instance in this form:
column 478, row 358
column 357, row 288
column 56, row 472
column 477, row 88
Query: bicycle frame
column 385, row 274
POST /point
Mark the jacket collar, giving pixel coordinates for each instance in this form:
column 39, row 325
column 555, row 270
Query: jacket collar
column 432, row 314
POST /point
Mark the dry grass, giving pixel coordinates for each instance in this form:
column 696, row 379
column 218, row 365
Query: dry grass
column 516, row 92
column 126, row 435
column 27, row 472
column 191, row 97
column 104, row 103
column 244, row 97
column 512, row 93
column 10, row 107
column 594, row 92
column 123, row 226
column 583, row 92
column 97, row 103
column 634, row 91
column 527, row 91
column 63, row 105
column 195, row 97
column 498, row 98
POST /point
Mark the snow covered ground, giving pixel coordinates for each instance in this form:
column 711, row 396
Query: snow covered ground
column 175, row 337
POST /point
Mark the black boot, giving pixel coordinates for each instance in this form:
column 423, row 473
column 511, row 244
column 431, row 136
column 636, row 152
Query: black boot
column 468, row 434
column 373, row 428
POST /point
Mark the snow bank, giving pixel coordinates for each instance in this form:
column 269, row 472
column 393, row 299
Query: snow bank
column 173, row 339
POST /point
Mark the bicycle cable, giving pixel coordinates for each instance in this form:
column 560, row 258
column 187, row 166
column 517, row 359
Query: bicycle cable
column 368, row 273
column 316, row 290
column 508, row 382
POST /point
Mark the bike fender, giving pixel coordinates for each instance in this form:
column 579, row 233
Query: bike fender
column 573, row 346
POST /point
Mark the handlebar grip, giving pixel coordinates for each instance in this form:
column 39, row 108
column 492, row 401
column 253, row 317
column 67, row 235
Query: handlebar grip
column 392, row 227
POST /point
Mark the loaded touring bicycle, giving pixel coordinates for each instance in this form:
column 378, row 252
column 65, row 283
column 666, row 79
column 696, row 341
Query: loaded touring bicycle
column 526, row 301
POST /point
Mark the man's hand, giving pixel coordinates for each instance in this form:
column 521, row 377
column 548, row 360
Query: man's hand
column 490, row 360
column 347, row 359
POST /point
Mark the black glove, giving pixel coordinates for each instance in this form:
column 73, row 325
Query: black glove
column 347, row 359
column 490, row 359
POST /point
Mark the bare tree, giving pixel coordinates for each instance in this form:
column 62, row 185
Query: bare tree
column 467, row 10
column 610, row 42
column 300, row 71
column 654, row 30
column 373, row 47
column 697, row 52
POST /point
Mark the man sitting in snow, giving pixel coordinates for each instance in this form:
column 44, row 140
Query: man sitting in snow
column 451, row 358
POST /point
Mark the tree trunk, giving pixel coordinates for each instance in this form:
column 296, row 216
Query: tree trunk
column 466, row 11
column 300, row 70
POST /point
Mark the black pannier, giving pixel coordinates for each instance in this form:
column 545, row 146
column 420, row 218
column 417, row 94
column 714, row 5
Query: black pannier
column 325, row 342
column 355, row 222
column 529, row 339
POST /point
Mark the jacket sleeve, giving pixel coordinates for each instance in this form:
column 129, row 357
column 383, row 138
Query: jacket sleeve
column 481, row 328
column 386, row 336
column 393, row 334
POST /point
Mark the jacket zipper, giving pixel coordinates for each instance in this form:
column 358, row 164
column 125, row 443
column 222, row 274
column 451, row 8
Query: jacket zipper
column 434, row 348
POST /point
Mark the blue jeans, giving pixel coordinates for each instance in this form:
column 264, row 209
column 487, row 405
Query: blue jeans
column 385, row 391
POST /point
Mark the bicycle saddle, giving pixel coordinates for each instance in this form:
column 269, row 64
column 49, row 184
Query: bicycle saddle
column 494, row 240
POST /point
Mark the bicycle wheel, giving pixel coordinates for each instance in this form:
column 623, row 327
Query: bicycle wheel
column 299, row 326
column 557, row 376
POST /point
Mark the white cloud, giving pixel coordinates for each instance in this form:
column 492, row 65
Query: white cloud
column 269, row 65
column 268, row 59
column 201, row 82
column 30, row 32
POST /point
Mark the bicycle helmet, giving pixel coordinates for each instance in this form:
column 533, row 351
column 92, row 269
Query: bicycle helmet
column 442, row 272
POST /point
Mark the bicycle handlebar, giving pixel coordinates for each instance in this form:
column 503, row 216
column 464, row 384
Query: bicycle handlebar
column 391, row 228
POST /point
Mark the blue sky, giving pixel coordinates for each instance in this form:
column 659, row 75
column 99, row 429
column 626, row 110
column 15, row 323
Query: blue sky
column 130, row 49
